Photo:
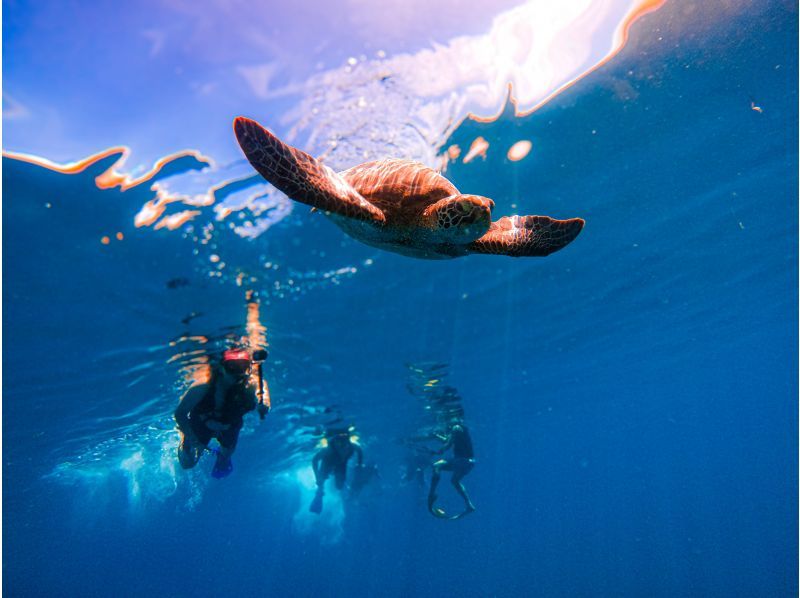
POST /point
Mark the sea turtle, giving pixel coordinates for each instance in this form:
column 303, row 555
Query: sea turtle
column 400, row 205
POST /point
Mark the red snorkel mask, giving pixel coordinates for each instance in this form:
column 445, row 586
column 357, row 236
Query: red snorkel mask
column 236, row 361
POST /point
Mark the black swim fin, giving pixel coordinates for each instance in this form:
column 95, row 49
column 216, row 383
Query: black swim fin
column 316, row 504
column 439, row 513
column 223, row 467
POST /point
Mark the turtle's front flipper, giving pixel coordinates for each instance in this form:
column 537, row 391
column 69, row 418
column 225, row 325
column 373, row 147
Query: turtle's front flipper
column 520, row 236
column 300, row 176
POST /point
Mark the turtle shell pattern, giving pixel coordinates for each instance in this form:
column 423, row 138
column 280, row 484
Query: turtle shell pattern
column 401, row 189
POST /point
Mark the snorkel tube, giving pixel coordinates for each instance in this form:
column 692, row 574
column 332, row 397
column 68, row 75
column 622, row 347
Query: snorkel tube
column 259, row 356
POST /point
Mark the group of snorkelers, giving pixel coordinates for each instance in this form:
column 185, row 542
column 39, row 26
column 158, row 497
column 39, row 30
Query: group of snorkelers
column 215, row 409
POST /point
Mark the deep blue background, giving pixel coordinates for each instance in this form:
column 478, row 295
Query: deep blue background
column 633, row 398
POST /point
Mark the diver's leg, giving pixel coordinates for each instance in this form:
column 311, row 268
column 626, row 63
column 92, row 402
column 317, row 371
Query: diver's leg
column 322, row 475
column 340, row 473
column 458, row 475
column 435, row 477
column 230, row 437
column 188, row 454
column 192, row 445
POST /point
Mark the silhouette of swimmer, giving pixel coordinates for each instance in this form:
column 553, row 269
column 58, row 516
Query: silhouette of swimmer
column 460, row 464
column 332, row 459
column 216, row 409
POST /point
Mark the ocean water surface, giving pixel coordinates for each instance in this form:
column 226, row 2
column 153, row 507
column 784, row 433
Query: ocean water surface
column 632, row 398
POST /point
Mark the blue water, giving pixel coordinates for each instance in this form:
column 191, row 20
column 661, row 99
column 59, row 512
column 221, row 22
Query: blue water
column 632, row 398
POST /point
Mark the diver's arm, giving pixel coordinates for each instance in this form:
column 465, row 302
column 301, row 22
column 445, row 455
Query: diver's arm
column 451, row 438
column 264, row 403
column 448, row 442
column 188, row 402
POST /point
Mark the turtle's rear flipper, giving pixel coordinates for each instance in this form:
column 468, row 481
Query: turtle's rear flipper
column 300, row 176
column 520, row 236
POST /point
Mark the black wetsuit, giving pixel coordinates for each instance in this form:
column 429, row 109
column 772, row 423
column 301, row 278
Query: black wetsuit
column 462, row 443
column 229, row 418
column 463, row 455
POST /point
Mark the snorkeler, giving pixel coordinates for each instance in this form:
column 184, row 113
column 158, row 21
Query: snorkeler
column 461, row 464
column 216, row 409
column 333, row 458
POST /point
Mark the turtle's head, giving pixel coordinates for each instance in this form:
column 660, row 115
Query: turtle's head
column 459, row 219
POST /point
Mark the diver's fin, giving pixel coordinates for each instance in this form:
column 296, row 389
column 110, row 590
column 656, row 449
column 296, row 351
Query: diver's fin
column 223, row 467
column 433, row 509
column 316, row 504
column 300, row 176
column 520, row 236
column 439, row 513
column 464, row 513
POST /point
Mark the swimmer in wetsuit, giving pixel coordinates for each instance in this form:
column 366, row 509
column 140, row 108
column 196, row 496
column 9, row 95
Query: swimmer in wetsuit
column 460, row 464
column 216, row 409
column 333, row 459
